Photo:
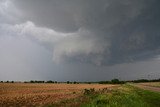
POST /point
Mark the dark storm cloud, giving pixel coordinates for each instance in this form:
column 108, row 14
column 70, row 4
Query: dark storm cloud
column 64, row 39
column 119, row 31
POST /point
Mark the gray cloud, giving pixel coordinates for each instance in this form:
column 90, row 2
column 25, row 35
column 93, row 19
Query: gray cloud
column 129, row 27
column 9, row 13
column 103, row 32
column 78, row 45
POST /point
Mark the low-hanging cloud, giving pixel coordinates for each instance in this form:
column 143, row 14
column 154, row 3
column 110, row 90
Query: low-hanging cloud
column 76, row 46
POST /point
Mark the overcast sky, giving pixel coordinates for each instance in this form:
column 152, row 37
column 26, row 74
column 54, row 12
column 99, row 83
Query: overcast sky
column 79, row 40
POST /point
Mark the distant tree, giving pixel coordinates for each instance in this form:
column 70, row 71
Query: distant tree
column 12, row 81
column 40, row 81
column 104, row 82
column 74, row 82
column 32, row 81
column 50, row 81
column 141, row 80
column 68, row 82
column 115, row 81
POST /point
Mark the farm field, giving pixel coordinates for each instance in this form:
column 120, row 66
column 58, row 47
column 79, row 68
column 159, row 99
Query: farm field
column 40, row 94
column 76, row 95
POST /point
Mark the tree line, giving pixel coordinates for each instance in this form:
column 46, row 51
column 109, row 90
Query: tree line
column 113, row 81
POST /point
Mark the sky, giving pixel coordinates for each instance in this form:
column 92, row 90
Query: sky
column 79, row 40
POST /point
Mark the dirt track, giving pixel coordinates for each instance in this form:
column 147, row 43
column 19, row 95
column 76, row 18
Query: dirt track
column 146, row 87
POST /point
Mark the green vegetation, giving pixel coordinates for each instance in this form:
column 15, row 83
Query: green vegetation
column 123, row 96
column 68, row 82
column 89, row 91
column 113, row 81
column 145, row 80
